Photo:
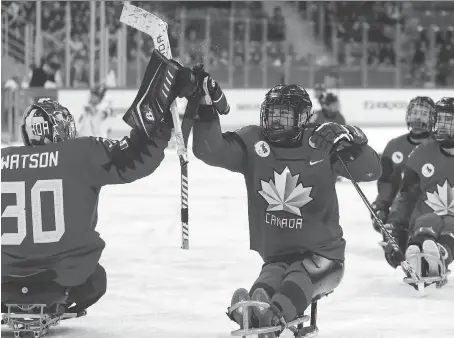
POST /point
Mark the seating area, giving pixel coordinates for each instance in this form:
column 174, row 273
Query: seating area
column 416, row 37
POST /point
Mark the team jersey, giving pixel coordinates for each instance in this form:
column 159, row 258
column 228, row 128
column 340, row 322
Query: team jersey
column 393, row 161
column 427, row 187
column 321, row 116
column 50, row 201
column 292, row 200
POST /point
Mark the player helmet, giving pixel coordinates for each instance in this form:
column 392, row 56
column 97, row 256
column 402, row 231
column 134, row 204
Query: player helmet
column 443, row 128
column 420, row 115
column 331, row 105
column 45, row 122
column 284, row 113
column 98, row 93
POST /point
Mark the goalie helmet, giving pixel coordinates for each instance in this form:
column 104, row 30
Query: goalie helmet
column 420, row 115
column 443, row 127
column 284, row 114
column 45, row 122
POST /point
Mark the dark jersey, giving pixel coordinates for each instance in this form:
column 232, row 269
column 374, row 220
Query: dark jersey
column 321, row 116
column 427, row 187
column 292, row 201
column 393, row 161
column 50, row 200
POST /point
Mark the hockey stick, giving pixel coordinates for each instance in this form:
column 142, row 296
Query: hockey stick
column 156, row 28
column 404, row 264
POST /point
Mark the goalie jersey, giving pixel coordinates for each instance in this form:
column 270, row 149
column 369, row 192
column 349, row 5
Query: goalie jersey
column 292, row 201
column 50, row 200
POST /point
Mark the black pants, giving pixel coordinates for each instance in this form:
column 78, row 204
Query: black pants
column 79, row 297
column 90, row 292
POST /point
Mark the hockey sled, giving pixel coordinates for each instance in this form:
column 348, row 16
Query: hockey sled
column 33, row 305
column 296, row 325
column 439, row 280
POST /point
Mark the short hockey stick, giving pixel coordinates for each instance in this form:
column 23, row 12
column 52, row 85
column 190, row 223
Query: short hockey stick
column 405, row 264
column 156, row 28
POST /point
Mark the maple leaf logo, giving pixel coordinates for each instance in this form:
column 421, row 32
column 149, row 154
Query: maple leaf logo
column 284, row 193
column 442, row 200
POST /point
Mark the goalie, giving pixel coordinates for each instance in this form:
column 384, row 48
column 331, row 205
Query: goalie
column 290, row 170
column 426, row 199
column 49, row 241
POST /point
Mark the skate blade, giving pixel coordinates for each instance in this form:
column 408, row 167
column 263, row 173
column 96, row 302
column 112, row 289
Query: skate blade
column 425, row 281
column 270, row 329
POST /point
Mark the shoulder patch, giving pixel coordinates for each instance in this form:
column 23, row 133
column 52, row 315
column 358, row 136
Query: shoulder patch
column 262, row 148
column 428, row 170
column 397, row 157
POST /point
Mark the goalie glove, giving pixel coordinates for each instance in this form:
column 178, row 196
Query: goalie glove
column 163, row 81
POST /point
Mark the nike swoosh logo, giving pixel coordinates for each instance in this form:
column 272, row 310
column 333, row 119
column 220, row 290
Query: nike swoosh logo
column 312, row 144
column 315, row 162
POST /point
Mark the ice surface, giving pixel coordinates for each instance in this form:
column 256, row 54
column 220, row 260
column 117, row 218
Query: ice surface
column 155, row 289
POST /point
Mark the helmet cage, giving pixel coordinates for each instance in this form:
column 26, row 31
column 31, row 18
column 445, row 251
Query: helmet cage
column 443, row 125
column 293, row 107
column 420, row 114
column 443, row 129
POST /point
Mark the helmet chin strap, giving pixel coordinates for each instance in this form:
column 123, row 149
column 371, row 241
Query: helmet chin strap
column 419, row 136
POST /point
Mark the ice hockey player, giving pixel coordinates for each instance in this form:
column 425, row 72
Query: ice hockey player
column 290, row 171
column 320, row 92
column 92, row 121
column 330, row 111
column 420, row 113
column 426, row 196
column 51, row 185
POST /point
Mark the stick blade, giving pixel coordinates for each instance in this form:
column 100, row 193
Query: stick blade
column 149, row 24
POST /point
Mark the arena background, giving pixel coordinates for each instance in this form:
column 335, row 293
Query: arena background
column 375, row 55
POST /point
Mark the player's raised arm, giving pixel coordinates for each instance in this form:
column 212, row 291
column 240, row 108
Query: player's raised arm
column 225, row 150
column 350, row 144
column 136, row 156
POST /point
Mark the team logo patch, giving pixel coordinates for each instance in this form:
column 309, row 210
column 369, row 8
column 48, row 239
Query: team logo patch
column 428, row 170
column 397, row 157
column 441, row 201
column 262, row 148
column 284, row 194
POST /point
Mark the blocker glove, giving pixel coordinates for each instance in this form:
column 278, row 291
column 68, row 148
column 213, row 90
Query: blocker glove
column 163, row 82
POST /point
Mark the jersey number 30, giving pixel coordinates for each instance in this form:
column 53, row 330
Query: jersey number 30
column 18, row 211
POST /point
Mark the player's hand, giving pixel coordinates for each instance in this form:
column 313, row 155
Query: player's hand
column 212, row 94
column 163, row 81
column 331, row 137
column 382, row 213
column 393, row 255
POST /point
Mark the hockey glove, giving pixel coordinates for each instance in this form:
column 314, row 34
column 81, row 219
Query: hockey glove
column 163, row 81
column 381, row 212
column 393, row 255
column 213, row 100
column 331, row 137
